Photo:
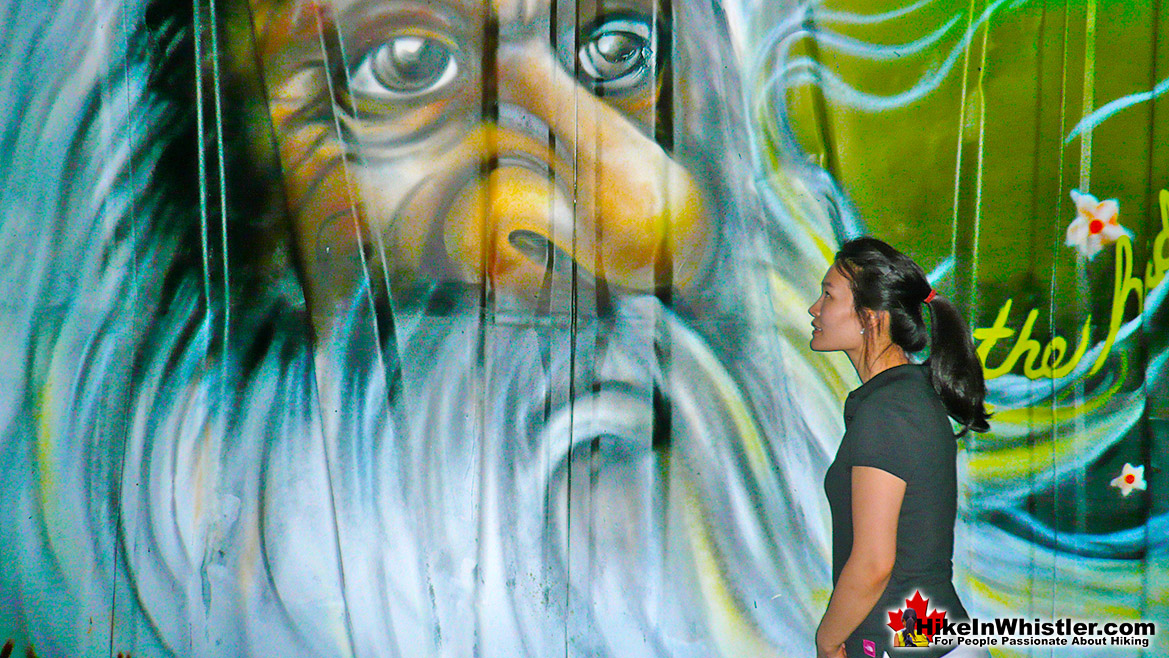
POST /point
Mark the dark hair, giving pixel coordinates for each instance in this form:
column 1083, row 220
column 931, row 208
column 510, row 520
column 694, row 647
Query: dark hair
column 884, row 279
column 909, row 618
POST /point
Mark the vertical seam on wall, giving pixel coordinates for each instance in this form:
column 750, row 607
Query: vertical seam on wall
column 200, row 130
column 325, row 427
column 349, row 185
column 959, row 153
column 961, row 139
column 222, row 192
column 1089, row 100
column 572, row 326
column 981, row 94
column 119, row 554
column 1146, row 446
column 389, row 373
column 1087, row 105
column 1053, row 426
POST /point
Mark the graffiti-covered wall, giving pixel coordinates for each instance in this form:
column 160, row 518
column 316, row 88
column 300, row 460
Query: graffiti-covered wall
column 1018, row 149
column 480, row 328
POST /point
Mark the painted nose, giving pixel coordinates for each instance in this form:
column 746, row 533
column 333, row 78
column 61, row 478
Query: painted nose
column 599, row 192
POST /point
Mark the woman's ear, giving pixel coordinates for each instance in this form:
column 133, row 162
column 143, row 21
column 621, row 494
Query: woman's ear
column 877, row 322
column 872, row 321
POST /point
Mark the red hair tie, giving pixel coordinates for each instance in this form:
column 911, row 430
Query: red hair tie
column 930, row 297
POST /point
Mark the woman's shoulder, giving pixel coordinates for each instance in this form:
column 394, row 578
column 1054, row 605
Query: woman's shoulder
column 904, row 401
column 906, row 384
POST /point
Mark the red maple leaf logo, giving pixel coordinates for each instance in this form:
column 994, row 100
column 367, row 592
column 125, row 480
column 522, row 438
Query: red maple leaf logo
column 927, row 623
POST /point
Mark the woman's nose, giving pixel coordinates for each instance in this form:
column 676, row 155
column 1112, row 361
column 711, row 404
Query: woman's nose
column 602, row 193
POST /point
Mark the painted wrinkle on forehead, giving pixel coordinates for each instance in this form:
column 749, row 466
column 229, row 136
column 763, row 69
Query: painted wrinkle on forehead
column 279, row 25
column 317, row 185
column 287, row 33
column 518, row 12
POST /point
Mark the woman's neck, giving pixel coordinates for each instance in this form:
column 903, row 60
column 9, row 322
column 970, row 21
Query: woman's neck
column 889, row 357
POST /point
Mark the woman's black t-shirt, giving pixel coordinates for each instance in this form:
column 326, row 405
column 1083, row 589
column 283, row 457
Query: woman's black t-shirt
column 896, row 422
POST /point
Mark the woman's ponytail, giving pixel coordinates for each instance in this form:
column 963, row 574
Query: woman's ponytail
column 884, row 279
column 955, row 370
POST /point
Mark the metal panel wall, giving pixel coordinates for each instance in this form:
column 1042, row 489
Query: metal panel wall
column 479, row 327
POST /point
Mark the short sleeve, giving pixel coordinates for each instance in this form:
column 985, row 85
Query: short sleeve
column 885, row 433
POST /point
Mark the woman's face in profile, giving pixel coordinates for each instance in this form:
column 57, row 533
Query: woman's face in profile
column 835, row 323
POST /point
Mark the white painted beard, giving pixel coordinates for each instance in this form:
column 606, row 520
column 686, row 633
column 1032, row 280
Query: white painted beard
column 640, row 486
column 522, row 490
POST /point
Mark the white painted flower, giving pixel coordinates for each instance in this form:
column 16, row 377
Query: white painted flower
column 1131, row 477
column 1095, row 224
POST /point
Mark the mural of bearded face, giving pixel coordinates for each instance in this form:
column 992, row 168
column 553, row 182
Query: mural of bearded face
column 514, row 146
column 464, row 342
column 539, row 209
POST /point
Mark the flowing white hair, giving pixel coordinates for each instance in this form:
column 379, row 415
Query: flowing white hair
column 191, row 475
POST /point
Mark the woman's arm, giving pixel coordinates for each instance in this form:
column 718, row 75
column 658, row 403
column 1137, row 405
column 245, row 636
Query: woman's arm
column 876, row 506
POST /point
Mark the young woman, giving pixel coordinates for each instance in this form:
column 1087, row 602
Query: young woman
column 892, row 489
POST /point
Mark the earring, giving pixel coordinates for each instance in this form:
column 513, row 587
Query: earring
column 862, row 330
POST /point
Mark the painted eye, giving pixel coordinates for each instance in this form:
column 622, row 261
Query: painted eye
column 405, row 66
column 619, row 54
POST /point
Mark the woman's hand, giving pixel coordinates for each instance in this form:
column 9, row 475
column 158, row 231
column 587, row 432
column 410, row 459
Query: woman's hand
column 876, row 507
column 828, row 650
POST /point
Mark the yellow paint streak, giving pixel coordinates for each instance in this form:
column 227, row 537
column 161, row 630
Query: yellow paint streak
column 985, row 592
column 1030, row 416
column 1024, row 461
column 736, row 409
column 733, row 634
column 796, row 201
column 250, row 554
column 45, row 434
